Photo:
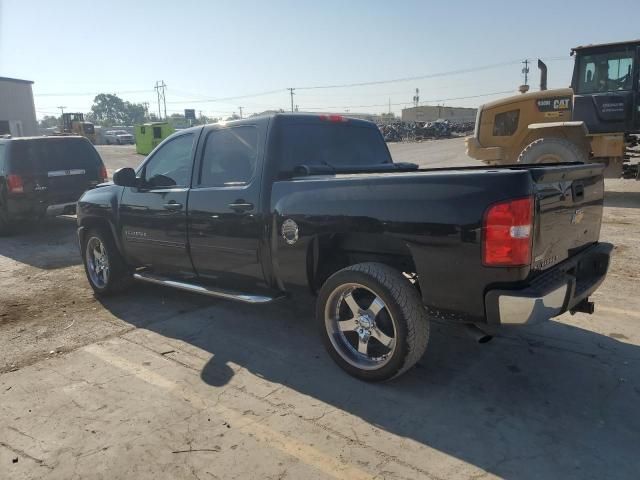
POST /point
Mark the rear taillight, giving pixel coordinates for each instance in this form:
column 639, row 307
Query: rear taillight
column 15, row 184
column 103, row 173
column 507, row 233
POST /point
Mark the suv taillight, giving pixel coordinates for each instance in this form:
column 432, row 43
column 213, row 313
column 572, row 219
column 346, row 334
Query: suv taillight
column 103, row 173
column 14, row 182
column 507, row 233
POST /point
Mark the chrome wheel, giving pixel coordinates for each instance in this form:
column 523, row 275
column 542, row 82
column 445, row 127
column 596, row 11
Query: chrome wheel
column 360, row 326
column 97, row 262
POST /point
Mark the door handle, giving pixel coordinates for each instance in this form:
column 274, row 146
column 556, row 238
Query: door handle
column 241, row 206
column 172, row 206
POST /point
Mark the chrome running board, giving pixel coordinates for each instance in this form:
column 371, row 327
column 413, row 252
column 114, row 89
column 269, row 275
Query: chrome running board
column 204, row 290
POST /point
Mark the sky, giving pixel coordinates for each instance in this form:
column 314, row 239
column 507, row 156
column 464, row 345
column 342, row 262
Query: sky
column 218, row 56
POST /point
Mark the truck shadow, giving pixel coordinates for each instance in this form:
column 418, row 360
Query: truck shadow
column 48, row 244
column 554, row 401
column 622, row 199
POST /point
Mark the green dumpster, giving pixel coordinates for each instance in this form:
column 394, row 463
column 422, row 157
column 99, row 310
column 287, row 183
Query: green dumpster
column 149, row 135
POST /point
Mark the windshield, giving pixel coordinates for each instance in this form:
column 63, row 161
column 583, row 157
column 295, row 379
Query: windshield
column 605, row 72
column 333, row 144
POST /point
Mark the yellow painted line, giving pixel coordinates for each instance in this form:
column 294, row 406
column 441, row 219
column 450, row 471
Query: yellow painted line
column 620, row 311
column 304, row 452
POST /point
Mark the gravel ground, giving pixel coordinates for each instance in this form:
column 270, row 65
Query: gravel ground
column 165, row 384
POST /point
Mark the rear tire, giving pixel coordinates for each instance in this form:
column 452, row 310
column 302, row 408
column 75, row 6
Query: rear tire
column 552, row 150
column 105, row 268
column 372, row 321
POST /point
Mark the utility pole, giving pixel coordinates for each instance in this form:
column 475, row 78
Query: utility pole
column 159, row 88
column 146, row 109
column 240, row 108
column 62, row 110
column 292, row 94
column 389, row 105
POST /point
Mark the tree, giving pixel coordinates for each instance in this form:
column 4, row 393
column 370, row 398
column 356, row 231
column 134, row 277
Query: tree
column 109, row 110
column 135, row 113
column 49, row 121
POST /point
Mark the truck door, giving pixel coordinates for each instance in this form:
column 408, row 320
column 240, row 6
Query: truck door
column 225, row 224
column 153, row 215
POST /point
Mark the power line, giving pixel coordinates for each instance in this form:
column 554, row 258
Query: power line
column 220, row 99
column 504, row 92
column 417, row 77
column 87, row 94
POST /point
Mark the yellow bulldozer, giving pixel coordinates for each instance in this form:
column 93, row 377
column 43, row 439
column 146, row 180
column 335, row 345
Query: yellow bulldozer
column 74, row 124
column 597, row 119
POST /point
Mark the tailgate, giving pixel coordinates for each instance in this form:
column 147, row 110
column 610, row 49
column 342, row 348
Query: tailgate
column 569, row 202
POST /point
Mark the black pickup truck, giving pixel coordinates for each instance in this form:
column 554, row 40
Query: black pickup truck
column 256, row 209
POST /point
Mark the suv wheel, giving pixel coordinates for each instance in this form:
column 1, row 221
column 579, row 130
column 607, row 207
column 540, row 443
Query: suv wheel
column 105, row 268
column 372, row 321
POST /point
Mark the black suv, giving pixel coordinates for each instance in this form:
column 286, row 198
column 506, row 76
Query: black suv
column 45, row 176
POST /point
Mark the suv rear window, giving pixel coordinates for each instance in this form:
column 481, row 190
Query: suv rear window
column 44, row 155
column 334, row 144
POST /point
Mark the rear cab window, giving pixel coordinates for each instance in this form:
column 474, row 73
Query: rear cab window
column 331, row 143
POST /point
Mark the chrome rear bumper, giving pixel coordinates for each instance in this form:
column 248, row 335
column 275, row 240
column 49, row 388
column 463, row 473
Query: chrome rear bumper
column 552, row 293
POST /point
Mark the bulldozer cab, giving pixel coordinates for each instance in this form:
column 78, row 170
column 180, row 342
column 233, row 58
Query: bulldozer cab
column 606, row 86
column 68, row 120
column 74, row 123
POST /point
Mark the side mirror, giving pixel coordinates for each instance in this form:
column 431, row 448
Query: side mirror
column 125, row 177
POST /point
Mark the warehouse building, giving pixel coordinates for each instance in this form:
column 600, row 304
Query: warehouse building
column 17, row 110
column 430, row 113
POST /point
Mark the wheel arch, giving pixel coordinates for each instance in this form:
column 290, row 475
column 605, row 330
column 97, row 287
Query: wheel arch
column 329, row 253
column 89, row 223
column 575, row 132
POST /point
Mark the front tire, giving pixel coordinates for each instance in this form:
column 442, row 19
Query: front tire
column 104, row 266
column 372, row 321
column 552, row 150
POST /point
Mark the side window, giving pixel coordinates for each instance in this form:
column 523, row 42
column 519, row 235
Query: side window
column 171, row 164
column 157, row 132
column 229, row 157
column 506, row 123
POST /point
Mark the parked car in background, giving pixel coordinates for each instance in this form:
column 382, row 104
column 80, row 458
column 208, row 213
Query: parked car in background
column 42, row 176
column 257, row 209
column 118, row 137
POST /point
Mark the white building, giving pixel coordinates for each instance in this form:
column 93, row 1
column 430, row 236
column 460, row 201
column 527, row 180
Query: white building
column 17, row 110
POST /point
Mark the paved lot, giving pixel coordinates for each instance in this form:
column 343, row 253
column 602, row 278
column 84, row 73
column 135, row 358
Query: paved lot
column 165, row 384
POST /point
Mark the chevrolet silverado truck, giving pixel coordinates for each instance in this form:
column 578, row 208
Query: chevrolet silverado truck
column 259, row 209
